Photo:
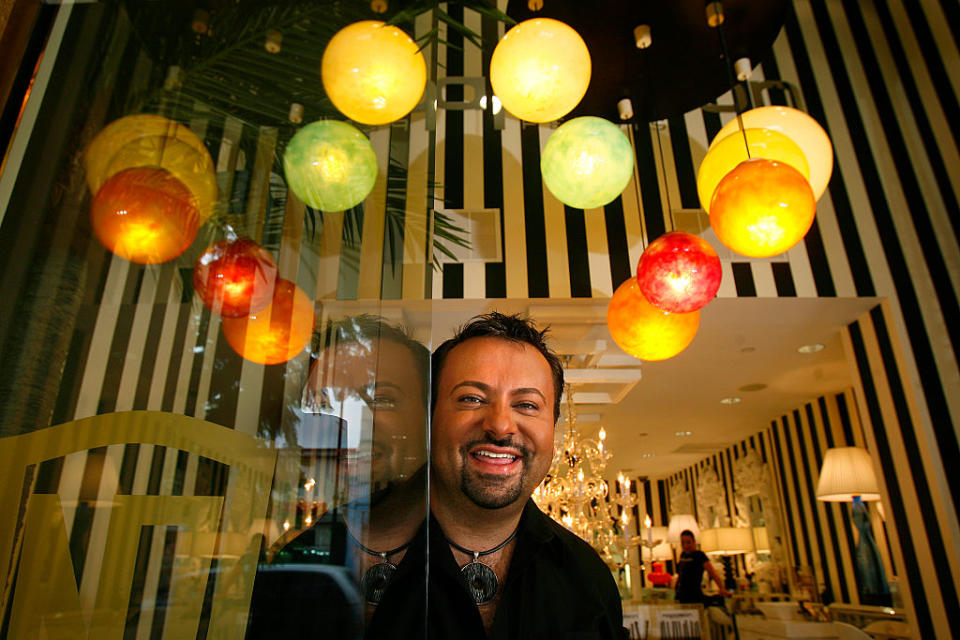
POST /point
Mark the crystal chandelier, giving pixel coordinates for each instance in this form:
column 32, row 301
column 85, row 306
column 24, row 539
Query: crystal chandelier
column 575, row 494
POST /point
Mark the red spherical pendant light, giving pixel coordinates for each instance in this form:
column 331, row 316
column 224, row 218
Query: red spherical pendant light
column 235, row 277
column 277, row 333
column 644, row 331
column 679, row 272
column 144, row 215
column 762, row 208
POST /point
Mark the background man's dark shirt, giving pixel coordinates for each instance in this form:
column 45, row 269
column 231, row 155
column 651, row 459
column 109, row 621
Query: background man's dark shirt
column 689, row 576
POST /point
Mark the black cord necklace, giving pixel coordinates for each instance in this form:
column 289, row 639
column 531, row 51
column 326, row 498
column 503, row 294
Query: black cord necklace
column 481, row 580
column 377, row 578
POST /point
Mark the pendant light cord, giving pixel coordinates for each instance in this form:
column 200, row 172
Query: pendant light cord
column 727, row 64
column 666, row 185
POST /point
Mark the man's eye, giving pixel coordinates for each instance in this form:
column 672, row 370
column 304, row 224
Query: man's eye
column 528, row 406
column 470, row 399
column 383, row 402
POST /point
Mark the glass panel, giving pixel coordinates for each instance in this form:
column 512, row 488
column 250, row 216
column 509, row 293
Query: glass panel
column 176, row 461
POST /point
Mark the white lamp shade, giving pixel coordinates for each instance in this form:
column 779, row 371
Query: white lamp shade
column 727, row 540
column 679, row 524
column 801, row 128
column 847, row 472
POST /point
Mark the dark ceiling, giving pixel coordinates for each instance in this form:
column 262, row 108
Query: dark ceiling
column 683, row 68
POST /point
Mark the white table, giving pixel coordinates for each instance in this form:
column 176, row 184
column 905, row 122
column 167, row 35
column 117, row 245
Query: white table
column 759, row 628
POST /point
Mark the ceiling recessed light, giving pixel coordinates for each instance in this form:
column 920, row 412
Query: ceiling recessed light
column 648, row 455
column 682, row 433
column 730, row 400
column 810, row 348
column 757, row 386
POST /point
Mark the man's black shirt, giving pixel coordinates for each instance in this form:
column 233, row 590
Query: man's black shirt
column 557, row 588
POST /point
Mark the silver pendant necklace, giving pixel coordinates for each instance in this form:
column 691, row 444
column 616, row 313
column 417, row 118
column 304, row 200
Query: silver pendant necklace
column 377, row 578
column 481, row 580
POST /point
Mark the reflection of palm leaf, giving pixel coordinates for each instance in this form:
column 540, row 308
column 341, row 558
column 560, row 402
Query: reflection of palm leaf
column 444, row 231
column 229, row 72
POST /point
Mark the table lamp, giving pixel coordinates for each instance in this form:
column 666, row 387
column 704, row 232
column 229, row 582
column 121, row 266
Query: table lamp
column 726, row 542
column 847, row 476
column 680, row 523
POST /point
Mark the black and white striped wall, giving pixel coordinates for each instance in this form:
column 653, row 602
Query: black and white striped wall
column 811, row 533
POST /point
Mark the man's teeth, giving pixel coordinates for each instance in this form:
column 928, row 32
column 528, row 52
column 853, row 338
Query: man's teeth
column 490, row 454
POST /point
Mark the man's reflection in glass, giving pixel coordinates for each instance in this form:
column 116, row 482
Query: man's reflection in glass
column 363, row 438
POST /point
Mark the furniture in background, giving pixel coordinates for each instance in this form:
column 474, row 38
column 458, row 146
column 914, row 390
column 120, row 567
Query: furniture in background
column 863, row 615
column 849, row 632
column 888, row 630
column 673, row 621
column 720, row 624
column 760, row 628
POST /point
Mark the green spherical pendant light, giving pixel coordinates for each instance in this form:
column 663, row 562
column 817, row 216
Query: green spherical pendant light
column 587, row 162
column 330, row 165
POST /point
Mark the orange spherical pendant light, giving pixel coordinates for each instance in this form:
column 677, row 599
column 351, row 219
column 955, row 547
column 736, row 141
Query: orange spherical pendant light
column 762, row 208
column 277, row 333
column 144, row 215
column 540, row 70
column 373, row 73
column 644, row 331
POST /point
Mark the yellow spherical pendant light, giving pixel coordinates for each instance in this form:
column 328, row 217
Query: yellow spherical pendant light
column 799, row 127
column 762, row 208
column 147, row 140
column 732, row 150
column 587, row 162
column 181, row 159
column 373, row 73
column 540, row 70
column 644, row 331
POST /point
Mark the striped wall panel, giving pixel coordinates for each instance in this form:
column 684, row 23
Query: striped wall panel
column 804, row 532
column 916, row 484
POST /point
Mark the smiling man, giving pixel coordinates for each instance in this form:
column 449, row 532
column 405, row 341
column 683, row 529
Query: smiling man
column 499, row 568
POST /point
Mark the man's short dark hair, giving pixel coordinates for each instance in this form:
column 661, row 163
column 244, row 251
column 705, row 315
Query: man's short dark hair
column 687, row 532
column 513, row 328
column 365, row 328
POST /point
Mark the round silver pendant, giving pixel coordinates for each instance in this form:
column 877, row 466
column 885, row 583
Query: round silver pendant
column 375, row 581
column 481, row 581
